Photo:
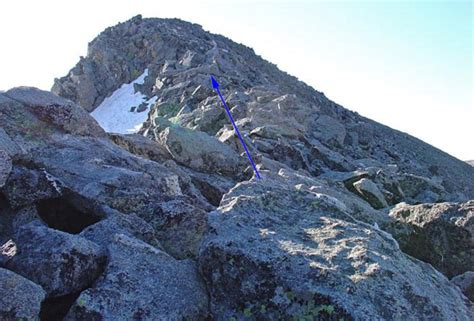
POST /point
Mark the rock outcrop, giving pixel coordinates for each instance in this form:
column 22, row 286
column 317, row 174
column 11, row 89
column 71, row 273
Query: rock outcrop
column 279, row 251
column 141, row 282
column 351, row 220
column 441, row 234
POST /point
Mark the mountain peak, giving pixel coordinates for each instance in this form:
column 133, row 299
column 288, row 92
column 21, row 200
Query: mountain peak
column 127, row 194
column 166, row 64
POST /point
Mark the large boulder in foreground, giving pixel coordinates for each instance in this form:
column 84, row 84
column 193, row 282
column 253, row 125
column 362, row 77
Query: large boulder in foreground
column 20, row 299
column 103, row 172
column 278, row 251
column 141, row 282
column 77, row 155
column 441, row 234
column 60, row 262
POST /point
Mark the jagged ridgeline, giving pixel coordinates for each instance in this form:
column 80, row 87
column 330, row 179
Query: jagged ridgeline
column 125, row 194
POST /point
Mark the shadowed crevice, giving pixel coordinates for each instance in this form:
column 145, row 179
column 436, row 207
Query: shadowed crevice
column 55, row 309
column 62, row 214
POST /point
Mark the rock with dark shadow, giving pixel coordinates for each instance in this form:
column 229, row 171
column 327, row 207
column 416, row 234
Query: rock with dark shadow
column 441, row 234
column 465, row 282
column 60, row 262
column 141, row 282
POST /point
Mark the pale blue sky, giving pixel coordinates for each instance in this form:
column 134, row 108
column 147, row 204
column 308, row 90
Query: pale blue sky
column 407, row 64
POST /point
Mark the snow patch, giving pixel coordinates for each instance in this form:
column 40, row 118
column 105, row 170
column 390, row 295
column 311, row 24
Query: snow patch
column 114, row 113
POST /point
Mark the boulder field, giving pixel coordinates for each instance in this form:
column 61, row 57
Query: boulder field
column 351, row 220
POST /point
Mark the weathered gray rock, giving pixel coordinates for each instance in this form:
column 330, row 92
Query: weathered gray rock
column 103, row 172
column 286, row 153
column 340, row 196
column 5, row 167
column 348, row 178
column 85, row 163
column 103, row 232
column 180, row 227
column 21, row 299
column 385, row 180
column 21, row 129
column 141, row 146
column 70, row 156
column 465, row 282
column 208, row 120
column 7, row 145
column 330, row 130
column 328, row 158
column 440, row 234
column 26, row 186
column 10, row 222
column 143, row 283
column 211, row 186
column 389, row 186
column 421, row 189
column 24, row 216
column 61, row 263
column 277, row 251
column 370, row 192
column 31, row 96
column 192, row 194
column 82, row 78
column 56, row 111
column 93, row 79
column 201, row 151
column 94, row 172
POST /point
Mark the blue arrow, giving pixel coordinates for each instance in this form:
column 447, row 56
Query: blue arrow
column 215, row 85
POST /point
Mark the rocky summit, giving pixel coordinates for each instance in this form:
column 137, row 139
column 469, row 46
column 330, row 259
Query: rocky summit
column 126, row 194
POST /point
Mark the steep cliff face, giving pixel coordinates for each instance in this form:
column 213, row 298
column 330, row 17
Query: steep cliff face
column 147, row 208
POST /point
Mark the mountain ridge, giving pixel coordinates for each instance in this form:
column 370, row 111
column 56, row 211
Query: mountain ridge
column 233, row 75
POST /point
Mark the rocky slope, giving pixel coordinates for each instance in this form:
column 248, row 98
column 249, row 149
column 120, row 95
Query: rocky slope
column 161, row 217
